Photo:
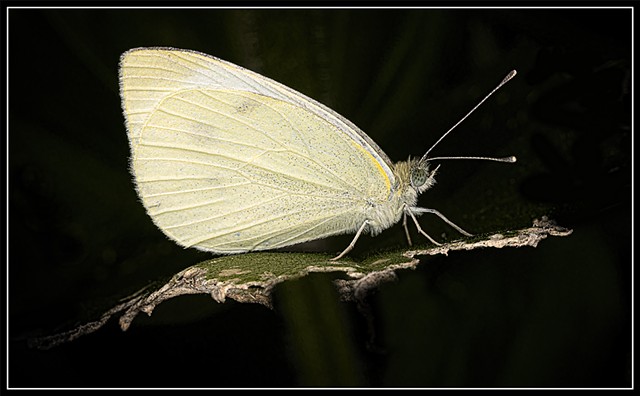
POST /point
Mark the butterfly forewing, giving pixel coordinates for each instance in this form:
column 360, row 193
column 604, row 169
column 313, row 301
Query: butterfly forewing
column 224, row 168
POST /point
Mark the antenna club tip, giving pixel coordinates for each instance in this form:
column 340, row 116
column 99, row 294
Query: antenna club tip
column 512, row 159
column 508, row 77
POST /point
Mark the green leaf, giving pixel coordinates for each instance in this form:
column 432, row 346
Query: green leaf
column 250, row 278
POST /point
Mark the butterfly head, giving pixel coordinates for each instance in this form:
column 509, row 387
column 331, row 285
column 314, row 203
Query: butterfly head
column 422, row 178
column 413, row 177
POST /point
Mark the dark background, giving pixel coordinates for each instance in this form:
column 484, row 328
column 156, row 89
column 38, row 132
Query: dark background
column 558, row 315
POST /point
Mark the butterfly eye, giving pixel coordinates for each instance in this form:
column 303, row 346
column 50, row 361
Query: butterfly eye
column 419, row 177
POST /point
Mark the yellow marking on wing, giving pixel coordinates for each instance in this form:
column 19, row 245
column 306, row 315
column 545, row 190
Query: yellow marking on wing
column 377, row 163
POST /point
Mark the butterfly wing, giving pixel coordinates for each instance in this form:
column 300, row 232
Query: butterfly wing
column 229, row 161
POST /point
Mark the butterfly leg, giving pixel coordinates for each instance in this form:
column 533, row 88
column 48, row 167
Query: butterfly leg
column 420, row 228
column 435, row 212
column 406, row 229
column 353, row 242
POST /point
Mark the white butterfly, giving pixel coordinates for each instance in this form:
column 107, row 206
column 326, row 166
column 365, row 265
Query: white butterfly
column 229, row 161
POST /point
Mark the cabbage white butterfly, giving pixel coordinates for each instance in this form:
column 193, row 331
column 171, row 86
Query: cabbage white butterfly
column 228, row 161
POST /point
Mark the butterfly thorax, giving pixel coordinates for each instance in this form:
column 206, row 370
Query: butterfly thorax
column 412, row 177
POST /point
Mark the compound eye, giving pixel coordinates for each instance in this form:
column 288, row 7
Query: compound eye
column 419, row 177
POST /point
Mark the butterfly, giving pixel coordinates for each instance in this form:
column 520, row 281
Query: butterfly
column 229, row 161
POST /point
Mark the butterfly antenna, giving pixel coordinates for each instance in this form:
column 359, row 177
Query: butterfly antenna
column 509, row 76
